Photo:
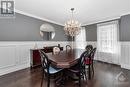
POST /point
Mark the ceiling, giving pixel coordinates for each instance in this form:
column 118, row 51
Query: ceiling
column 86, row 11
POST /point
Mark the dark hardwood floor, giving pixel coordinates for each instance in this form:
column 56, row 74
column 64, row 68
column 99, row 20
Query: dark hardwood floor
column 106, row 75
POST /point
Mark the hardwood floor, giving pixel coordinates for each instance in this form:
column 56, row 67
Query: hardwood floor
column 106, row 75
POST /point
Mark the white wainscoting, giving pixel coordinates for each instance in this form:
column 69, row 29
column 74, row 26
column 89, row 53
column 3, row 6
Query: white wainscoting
column 16, row 55
column 125, row 55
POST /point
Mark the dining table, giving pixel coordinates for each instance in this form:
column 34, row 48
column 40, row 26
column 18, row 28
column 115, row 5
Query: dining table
column 66, row 58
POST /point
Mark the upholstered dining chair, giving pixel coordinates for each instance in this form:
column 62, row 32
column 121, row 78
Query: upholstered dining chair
column 89, row 61
column 48, row 69
column 79, row 69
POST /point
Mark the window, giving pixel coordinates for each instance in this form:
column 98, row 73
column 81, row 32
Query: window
column 107, row 36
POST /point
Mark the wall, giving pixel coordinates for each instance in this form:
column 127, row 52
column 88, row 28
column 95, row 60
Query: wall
column 91, row 32
column 124, row 37
column 125, row 28
column 24, row 28
column 16, row 55
column 20, row 34
column 125, row 41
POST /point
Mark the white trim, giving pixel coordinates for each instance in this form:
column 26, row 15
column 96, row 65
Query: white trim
column 21, row 53
column 125, row 66
column 128, row 13
column 37, row 17
column 18, row 65
column 107, row 23
column 84, row 24
column 103, row 20
column 125, row 57
column 125, row 42
column 14, row 68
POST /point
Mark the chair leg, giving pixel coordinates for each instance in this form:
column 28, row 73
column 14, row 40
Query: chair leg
column 85, row 75
column 42, row 80
column 93, row 70
column 48, row 81
column 79, row 80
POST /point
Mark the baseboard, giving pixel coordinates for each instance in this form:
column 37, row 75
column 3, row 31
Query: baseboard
column 14, row 68
column 125, row 66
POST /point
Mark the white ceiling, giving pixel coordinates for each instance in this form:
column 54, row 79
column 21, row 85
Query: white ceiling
column 86, row 11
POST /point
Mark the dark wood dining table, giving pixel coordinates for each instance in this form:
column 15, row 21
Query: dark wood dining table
column 66, row 59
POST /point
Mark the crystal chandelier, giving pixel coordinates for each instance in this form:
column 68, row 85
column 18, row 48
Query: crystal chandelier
column 72, row 27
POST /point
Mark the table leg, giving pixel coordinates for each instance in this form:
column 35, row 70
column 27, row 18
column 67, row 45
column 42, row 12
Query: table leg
column 63, row 78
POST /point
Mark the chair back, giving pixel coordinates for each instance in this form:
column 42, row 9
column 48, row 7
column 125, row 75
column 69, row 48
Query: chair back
column 89, row 60
column 82, row 59
column 44, row 61
column 68, row 47
column 92, row 53
column 56, row 50
column 89, row 47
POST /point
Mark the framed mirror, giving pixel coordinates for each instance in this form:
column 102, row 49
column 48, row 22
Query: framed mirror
column 47, row 30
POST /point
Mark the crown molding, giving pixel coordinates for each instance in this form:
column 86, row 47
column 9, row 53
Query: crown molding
column 84, row 24
column 37, row 17
column 128, row 13
column 106, row 19
column 103, row 20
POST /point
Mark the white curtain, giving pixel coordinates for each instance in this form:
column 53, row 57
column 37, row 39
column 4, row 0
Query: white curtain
column 80, row 39
column 108, row 48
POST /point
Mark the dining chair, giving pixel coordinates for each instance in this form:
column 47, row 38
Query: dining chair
column 48, row 69
column 89, row 47
column 79, row 68
column 89, row 63
column 68, row 47
column 56, row 50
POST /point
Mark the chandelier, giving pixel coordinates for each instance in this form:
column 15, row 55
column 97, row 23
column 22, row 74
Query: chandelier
column 72, row 27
